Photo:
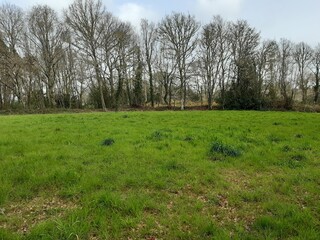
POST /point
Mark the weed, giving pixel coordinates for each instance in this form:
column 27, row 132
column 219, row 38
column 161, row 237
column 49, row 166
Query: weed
column 306, row 148
column 174, row 166
column 163, row 146
column 188, row 139
column 209, row 230
column 108, row 142
column 274, row 139
column 68, row 230
column 226, row 150
column 286, row 148
column 253, row 196
column 158, row 135
column 298, row 157
column 294, row 161
column 108, row 202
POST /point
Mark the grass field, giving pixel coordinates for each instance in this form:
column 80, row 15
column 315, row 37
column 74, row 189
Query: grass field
column 160, row 175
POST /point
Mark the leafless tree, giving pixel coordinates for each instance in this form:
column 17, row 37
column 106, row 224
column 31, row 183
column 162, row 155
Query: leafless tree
column 166, row 66
column 285, row 61
column 244, row 42
column 45, row 33
column 214, row 52
column 87, row 21
column 110, row 55
column 11, row 26
column 90, row 57
column 179, row 33
column 11, row 33
column 148, row 38
column 302, row 55
column 125, row 49
column 267, row 69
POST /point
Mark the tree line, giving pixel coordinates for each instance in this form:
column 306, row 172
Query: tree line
column 88, row 58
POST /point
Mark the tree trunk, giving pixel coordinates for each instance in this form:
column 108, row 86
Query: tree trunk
column 316, row 88
column 209, row 92
column 1, row 102
column 181, row 88
column 103, row 103
column 151, row 84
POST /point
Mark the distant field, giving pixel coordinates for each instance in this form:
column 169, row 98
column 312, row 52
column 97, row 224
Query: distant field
column 160, row 175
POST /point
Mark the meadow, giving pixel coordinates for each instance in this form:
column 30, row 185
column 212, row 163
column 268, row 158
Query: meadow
column 160, row 175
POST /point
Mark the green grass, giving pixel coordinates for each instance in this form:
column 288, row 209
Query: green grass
column 160, row 175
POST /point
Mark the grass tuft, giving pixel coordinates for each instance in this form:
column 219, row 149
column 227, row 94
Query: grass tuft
column 274, row 139
column 298, row 157
column 158, row 136
column 108, row 142
column 174, row 166
column 286, row 148
column 226, row 150
column 188, row 139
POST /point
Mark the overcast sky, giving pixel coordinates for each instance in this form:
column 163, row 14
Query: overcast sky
column 296, row 20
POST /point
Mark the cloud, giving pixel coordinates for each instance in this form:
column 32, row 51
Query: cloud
column 57, row 5
column 133, row 13
column 225, row 8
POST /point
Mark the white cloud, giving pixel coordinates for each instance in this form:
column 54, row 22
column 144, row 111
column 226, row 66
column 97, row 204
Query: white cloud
column 225, row 8
column 57, row 5
column 133, row 13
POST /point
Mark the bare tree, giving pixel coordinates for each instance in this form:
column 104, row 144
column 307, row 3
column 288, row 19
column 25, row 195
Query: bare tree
column 214, row 54
column 87, row 20
column 166, row 65
column 316, row 72
column 244, row 40
column 285, row 69
column 302, row 56
column 125, row 49
column 266, row 69
column 11, row 34
column 70, row 76
column 149, row 37
column 45, row 33
column 6, row 86
column 179, row 33
column 11, row 26
column 110, row 55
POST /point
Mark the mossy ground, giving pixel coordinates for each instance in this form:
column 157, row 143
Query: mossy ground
column 160, row 178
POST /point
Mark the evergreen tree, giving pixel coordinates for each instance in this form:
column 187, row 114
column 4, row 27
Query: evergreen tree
column 138, row 98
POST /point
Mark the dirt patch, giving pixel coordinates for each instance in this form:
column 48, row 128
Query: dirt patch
column 23, row 216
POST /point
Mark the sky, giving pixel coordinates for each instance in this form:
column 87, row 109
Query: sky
column 296, row 20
